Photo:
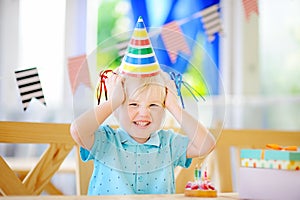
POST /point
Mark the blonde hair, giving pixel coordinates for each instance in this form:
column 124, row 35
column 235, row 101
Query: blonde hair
column 134, row 86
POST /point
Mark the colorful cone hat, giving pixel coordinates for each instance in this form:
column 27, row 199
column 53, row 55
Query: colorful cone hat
column 140, row 59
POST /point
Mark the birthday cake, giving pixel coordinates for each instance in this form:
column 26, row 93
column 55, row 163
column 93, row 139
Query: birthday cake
column 201, row 186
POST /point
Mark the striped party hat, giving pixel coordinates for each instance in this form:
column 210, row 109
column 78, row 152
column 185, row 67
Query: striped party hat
column 140, row 59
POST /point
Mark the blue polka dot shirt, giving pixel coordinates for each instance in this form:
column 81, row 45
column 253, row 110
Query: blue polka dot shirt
column 124, row 166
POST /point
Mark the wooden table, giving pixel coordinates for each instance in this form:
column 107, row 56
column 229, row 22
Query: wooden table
column 222, row 196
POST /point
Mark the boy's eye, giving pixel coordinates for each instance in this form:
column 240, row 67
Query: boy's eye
column 154, row 105
column 133, row 104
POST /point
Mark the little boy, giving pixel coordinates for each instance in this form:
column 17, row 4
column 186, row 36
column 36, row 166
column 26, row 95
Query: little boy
column 138, row 157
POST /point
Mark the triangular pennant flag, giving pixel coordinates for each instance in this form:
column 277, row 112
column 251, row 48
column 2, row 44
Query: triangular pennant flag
column 78, row 72
column 29, row 86
column 174, row 40
column 250, row 6
column 210, row 18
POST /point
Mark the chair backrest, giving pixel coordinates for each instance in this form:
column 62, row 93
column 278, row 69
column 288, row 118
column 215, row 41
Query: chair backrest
column 220, row 161
column 60, row 144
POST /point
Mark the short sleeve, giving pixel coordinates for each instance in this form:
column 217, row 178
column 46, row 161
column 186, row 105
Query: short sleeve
column 179, row 144
column 100, row 141
column 85, row 154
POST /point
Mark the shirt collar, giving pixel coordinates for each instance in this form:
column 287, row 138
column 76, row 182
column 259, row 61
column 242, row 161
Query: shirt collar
column 126, row 138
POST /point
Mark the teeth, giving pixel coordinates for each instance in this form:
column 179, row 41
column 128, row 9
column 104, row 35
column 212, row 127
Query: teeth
column 142, row 123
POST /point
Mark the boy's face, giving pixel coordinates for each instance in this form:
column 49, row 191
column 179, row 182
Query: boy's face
column 143, row 112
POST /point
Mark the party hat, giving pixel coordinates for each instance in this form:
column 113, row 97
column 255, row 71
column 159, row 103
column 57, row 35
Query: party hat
column 140, row 59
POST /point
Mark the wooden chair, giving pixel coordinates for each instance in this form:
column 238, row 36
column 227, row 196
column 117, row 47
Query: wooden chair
column 223, row 163
column 38, row 178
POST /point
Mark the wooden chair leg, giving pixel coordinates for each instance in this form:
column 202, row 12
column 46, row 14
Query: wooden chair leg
column 10, row 184
column 40, row 176
column 50, row 188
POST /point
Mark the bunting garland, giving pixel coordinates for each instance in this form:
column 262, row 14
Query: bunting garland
column 250, row 6
column 29, row 85
column 78, row 72
column 174, row 40
column 172, row 35
column 211, row 21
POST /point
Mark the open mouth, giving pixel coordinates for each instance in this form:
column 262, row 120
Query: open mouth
column 141, row 123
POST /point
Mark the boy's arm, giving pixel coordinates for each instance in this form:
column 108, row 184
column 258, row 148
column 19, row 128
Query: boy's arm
column 201, row 140
column 83, row 128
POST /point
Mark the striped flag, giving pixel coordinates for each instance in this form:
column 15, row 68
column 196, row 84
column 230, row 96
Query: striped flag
column 250, row 6
column 78, row 72
column 174, row 40
column 210, row 18
column 30, row 86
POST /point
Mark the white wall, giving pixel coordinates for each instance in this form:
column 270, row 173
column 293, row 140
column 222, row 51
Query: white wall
column 9, row 50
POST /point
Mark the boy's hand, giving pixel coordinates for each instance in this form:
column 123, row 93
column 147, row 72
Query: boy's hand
column 115, row 90
column 171, row 100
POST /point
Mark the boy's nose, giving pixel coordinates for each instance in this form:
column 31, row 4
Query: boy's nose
column 143, row 110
